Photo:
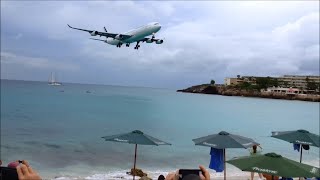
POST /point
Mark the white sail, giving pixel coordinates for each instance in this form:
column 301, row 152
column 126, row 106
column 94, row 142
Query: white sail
column 52, row 80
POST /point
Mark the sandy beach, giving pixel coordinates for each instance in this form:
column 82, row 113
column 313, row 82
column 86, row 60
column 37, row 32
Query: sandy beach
column 214, row 178
column 240, row 178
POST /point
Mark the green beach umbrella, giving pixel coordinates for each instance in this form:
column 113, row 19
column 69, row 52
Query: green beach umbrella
column 301, row 137
column 135, row 137
column 225, row 140
column 275, row 165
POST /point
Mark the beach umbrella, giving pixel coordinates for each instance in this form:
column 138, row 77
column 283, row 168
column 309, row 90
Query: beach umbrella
column 224, row 140
column 275, row 165
column 135, row 137
column 301, row 137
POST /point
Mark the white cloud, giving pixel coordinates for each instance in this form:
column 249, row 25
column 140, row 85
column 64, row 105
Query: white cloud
column 303, row 30
column 8, row 58
column 51, row 19
column 202, row 38
column 192, row 47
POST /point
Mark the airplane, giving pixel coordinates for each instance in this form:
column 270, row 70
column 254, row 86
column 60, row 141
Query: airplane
column 136, row 35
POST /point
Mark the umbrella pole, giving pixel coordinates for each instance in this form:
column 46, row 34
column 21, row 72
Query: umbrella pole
column 300, row 153
column 300, row 157
column 224, row 164
column 135, row 160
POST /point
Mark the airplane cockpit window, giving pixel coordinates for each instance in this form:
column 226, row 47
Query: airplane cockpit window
column 156, row 23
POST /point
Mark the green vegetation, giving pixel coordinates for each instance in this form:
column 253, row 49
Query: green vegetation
column 311, row 85
column 265, row 82
column 258, row 84
column 248, row 86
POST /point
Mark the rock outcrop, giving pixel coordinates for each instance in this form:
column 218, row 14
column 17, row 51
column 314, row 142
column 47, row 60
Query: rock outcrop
column 203, row 89
column 137, row 172
column 233, row 91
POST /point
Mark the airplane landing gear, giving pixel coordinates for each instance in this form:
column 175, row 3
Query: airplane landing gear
column 137, row 46
column 119, row 45
column 128, row 44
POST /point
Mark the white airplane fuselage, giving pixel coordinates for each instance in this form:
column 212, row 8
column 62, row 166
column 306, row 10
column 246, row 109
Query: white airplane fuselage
column 137, row 34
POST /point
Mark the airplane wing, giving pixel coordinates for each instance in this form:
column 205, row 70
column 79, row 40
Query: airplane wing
column 106, row 34
column 97, row 39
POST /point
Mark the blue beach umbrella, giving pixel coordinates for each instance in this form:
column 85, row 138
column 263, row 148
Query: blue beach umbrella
column 135, row 137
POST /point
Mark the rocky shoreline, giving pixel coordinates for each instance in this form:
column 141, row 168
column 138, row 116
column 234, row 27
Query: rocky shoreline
column 232, row 91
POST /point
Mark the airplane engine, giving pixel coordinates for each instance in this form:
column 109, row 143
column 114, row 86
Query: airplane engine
column 112, row 41
column 149, row 40
column 160, row 41
column 119, row 36
column 94, row 33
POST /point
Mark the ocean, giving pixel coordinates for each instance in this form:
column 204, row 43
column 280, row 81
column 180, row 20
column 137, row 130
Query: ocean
column 58, row 129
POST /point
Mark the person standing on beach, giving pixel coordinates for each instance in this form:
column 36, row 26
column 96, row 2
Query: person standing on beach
column 253, row 153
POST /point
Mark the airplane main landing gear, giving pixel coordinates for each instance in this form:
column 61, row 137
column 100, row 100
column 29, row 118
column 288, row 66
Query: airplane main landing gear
column 119, row 45
column 128, row 44
column 137, row 46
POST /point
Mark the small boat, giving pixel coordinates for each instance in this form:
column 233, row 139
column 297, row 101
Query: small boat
column 52, row 81
column 88, row 91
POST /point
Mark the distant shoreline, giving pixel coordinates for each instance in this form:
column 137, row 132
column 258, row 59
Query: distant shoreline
column 230, row 91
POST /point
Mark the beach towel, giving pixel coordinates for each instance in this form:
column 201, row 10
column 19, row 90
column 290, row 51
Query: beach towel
column 216, row 161
column 296, row 147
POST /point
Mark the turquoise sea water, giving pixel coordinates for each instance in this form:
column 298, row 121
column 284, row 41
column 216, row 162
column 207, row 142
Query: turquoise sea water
column 60, row 132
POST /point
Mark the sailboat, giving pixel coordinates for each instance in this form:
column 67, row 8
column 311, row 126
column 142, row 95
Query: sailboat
column 52, row 81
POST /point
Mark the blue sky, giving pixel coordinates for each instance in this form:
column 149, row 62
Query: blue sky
column 203, row 41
